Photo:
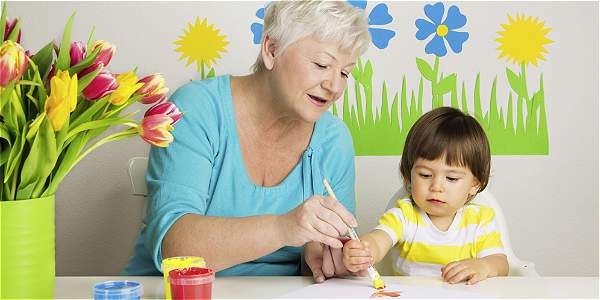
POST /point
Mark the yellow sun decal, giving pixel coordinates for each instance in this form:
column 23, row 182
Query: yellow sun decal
column 523, row 40
column 201, row 43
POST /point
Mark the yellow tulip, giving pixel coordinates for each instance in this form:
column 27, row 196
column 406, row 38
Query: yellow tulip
column 62, row 100
column 127, row 86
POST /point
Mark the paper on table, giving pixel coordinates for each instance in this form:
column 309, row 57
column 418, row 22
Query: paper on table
column 357, row 288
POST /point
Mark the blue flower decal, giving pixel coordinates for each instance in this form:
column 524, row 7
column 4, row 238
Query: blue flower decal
column 359, row 3
column 379, row 16
column 257, row 28
column 446, row 30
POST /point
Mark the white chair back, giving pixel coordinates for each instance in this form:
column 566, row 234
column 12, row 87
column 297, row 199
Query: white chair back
column 517, row 267
column 137, row 170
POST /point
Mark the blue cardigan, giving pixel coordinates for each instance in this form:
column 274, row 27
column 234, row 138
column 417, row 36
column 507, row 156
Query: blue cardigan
column 202, row 172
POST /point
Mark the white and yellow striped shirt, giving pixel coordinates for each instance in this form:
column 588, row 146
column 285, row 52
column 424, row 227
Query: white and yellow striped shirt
column 421, row 249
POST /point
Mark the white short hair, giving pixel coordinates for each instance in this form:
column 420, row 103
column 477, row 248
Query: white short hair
column 288, row 21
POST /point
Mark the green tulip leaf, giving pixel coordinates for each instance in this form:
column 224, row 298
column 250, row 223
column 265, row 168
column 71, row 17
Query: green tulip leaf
column 28, row 82
column 64, row 58
column 39, row 163
column 43, row 59
column 90, row 41
column 115, row 110
column 89, row 113
column 5, row 95
column 99, row 124
column 3, row 20
column 4, row 157
column 4, row 134
column 41, row 94
column 17, row 111
column 35, row 126
column 14, row 157
column 84, row 81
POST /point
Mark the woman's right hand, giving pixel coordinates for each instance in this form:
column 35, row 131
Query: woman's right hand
column 319, row 218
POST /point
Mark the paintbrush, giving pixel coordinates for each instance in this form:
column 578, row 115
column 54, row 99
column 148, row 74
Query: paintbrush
column 373, row 274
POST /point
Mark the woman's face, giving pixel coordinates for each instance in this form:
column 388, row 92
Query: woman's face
column 310, row 75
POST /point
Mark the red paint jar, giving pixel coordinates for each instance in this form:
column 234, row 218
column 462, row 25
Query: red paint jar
column 191, row 283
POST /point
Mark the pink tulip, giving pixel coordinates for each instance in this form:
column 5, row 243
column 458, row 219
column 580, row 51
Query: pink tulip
column 153, row 90
column 103, row 84
column 104, row 57
column 13, row 62
column 155, row 130
column 77, row 52
column 165, row 108
column 8, row 27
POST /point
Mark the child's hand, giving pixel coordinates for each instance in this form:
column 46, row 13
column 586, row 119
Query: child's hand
column 472, row 270
column 357, row 256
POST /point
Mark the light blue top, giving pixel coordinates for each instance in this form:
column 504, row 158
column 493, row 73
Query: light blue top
column 202, row 172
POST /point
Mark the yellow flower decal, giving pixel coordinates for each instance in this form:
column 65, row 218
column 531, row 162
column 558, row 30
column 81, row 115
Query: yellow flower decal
column 62, row 100
column 127, row 86
column 201, row 43
column 523, row 40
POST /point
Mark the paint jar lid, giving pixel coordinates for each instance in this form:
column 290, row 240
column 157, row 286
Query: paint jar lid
column 176, row 262
column 124, row 289
column 191, row 276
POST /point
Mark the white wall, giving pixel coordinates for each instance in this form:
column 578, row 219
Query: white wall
column 550, row 202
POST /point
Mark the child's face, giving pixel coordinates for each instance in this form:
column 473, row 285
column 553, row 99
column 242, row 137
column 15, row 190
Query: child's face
column 439, row 189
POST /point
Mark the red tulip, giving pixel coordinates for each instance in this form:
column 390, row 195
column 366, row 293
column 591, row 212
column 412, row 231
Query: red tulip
column 103, row 84
column 154, row 89
column 106, row 53
column 77, row 52
column 13, row 62
column 155, row 130
column 103, row 57
column 52, row 71
column 165, row 108
column 8, row 27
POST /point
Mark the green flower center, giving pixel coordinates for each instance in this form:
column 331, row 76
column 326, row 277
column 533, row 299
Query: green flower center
column 442, row 30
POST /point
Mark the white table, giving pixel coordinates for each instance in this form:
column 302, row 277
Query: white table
column 275, row 286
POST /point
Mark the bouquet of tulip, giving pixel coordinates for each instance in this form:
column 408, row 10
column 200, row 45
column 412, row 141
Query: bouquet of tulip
column 54, row 110
column 55, row 107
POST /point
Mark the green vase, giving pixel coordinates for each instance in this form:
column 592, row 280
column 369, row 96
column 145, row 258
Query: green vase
column 27, row 249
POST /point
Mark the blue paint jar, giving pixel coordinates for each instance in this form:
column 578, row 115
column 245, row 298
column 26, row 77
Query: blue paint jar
column 118, row 290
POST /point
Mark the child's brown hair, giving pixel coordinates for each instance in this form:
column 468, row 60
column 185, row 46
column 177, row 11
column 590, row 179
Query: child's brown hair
column 450, row 132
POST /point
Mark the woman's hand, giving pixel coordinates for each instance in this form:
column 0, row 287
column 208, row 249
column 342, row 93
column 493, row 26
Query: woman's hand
column 320, row 219
column 325, row 262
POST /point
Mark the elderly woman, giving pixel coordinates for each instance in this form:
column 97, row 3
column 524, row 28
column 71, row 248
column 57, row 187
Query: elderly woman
column 242, row 184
